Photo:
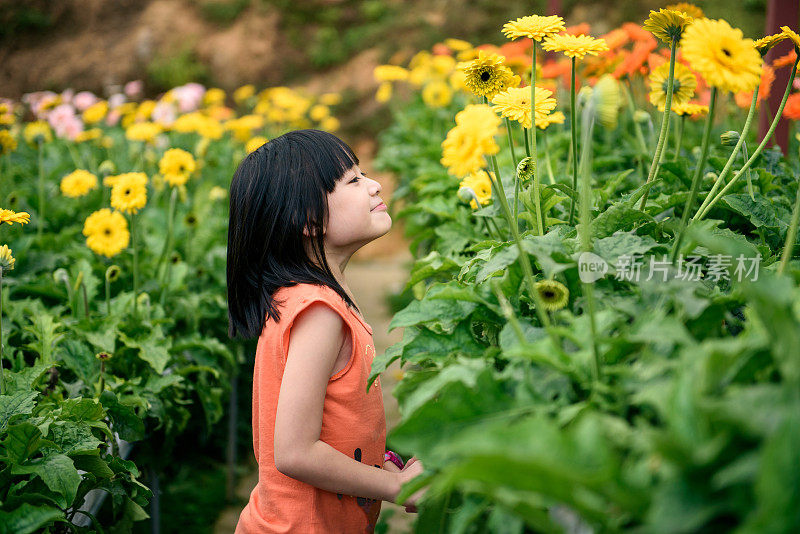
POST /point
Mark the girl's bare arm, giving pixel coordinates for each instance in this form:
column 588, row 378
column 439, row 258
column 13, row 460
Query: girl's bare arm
column 316, row 337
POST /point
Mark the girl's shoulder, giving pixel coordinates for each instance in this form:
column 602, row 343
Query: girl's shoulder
column 292, row 296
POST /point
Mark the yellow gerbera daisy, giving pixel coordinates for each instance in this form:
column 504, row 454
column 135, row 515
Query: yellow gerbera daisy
column 214, row 97
column 721, row 55
column 667, row 24
column 7, row 261
column 390, row 73
column 106, row 232
column 89, row 135
column 37, row 131
column 472, row 138
column 683, row 85
column 243, row 93
column 78, row 183
column 487, row 76
column 764, row 44
column 330, row 99
column 553, row 293
column 384, row 92
column 129, row 192
column 176, row 166
column 11, row 217
column 607, row 97
column 689, row 109
column 480, row 184
column 217, row 193
column 7, row 142
column 330, row 124
column 143, row 131
column 690, row 9
column 95, row 112
column 791, row 34
column 318, row 112
column 576, row 46
column 437, row 94
column 533, row 26
column 254, row 143
column 554, row 118
column 515, row 103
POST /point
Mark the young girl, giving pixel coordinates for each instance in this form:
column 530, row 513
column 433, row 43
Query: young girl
column 300, row 206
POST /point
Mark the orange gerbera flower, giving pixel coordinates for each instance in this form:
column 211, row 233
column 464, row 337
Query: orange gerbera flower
column 582, row 28
column 636, row 32
column 616, row 38
column 637, row 58
column 792, row 108
column 785, row 60
column 743, row 98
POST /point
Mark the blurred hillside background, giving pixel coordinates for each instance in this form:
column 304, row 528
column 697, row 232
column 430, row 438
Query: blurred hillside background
column 330, row 45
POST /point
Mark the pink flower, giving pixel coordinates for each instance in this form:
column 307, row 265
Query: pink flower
column 134, row 88
column 64, row 121
column 66, row 96
column 83, row 100
column 113, row 117
column 164, row 113
column 115, row 100
column 189, row 96
column 37, row 100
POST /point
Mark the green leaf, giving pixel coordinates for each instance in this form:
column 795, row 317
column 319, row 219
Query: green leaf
column 73, row 437
column 82, row 410
column 44, row 331
column 441, row 316
column 22, row 441
column 154, row 348
column 28, row 518
column 623, row 243
column 93, row 463
column 58, row 473
column 19, row 403
column 618, row 217
column 429, row 266
column 125, row 421
column 760, row 212
column 24, row 379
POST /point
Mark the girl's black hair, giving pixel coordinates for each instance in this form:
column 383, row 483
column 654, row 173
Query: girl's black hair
column 277, row 190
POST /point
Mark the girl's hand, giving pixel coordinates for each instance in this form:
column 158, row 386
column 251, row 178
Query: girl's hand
column 389, row 465
column 411, row 470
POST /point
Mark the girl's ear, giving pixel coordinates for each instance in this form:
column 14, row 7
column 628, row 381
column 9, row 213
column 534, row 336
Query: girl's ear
column 309, row 234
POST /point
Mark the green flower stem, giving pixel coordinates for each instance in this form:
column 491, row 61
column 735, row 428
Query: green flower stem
column 135, row 265
column 573, row 124
column 749, row 177
column 527, row 144
column 523, row 258
column 511, row 142
column 173, row 198
column 679, row 138
column 791, row 234
column 102, row 377
column 662, row 136
column 508, row 310
column 2, row 383
column 698, row 175
column 729, row 164
column 514, row 159
column 108, row 294
column 758, row 150
column 41, row 214
column 536, row 194
column 550, row 176
column 584, row 232
column 636, row 126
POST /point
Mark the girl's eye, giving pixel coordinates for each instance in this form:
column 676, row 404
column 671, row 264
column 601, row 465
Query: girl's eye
column 354, row 180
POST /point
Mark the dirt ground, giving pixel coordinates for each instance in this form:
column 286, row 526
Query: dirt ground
column 379, row 268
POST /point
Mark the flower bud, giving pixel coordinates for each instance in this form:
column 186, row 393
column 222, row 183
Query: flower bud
column 113, row 272
column 526, row 169
column 729, row 138
column 641, row 116
column 465, row 194
column 103, row 356
column 107, row 168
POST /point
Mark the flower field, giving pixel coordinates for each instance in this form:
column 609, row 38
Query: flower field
column 606, row 323
column 114, row 320
column 604, row 326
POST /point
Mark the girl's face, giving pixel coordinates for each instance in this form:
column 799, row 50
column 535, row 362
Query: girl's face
column 357, row 215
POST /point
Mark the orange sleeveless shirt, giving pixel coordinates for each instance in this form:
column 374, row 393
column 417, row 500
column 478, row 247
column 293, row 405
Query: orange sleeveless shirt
column 353, row 422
